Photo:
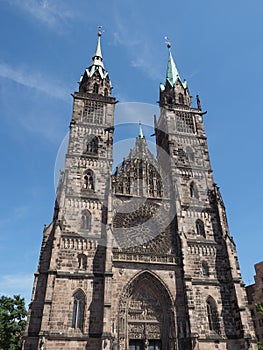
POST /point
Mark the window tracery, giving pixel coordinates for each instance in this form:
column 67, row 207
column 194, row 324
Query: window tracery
column 78, row 310
column 93, row 112
column 212, row 313
column 89, row 180
column 200, row 228
column 92, row 145
column 86, row 220
column 185, row 122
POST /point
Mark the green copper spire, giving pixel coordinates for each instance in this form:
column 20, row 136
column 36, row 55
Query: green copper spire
column 97, row 61
column 141, row 136
column 172, row 74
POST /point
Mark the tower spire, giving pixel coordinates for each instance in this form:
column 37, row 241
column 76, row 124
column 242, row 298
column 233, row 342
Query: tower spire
column 172, row 74
column 97, row 58
column 95, row 78
column 141, row 136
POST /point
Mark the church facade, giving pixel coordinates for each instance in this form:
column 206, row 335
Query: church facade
column 140, row 258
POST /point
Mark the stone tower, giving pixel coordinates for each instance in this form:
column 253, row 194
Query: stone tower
column 143, row 258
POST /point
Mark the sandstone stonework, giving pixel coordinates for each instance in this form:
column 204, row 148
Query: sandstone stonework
column 141, row 258
column 255, row 296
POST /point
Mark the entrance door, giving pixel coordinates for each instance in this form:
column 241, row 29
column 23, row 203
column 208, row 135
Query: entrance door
column 155, row 345
column 136, row 344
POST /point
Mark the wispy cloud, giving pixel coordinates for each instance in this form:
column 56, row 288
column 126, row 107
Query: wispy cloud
column 50, row 13
column 18, row 213
column 33, row 80
column 128, row 34
column 16, row 284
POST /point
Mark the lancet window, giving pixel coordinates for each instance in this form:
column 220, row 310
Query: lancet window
column 194, row 191
column 92, row 145
column 89, row 180
column 200, row 228
column 78, row 310
column 205, row 269
column 190, row 154
column 82, row 261
column 86, row 220
column 212, row 313
column 181, row 98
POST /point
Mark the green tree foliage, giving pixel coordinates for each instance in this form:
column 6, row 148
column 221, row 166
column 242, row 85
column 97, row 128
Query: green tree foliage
column 12, row 322
column 259, row 308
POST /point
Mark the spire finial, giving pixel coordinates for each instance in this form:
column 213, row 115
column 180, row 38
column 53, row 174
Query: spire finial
column 97, row 58
column 168, row 42
column 141, row 136
column 100, row 31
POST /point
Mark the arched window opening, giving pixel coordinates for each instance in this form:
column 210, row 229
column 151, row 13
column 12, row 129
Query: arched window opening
column 205, row 269
column 86, row 220
column 159, row 187
column 181, row 98
column 169, row 100
column 190, row 154
column 95, row 88
column 194, row 191
column 82, row 261
column 181, row 155
column 128, row 184
column 200, row 228
column 89, row 180
column 212, row 313
column 78, row 310
column 106, row 93
column 92, row 145
column 151, row 182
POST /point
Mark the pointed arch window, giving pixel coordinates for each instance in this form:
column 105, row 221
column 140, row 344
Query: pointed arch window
column 106, row 92
column 159, row 187
column 194, row 191
column 92, row 145
column 181, row 98
column 200, row 228
column 89, row 180
column 78, row 310
column 212, row 313
column 95, row 88
column 205, row 269
column 86, row 220
column 82, row 261
column 190, row 154
column 151, row 182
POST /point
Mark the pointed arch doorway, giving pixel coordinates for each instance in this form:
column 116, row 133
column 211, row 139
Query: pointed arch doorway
column 146, row 315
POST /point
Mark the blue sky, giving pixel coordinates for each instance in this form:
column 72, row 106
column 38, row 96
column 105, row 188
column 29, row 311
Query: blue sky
column 45, row 47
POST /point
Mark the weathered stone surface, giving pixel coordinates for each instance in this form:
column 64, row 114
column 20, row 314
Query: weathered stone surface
column 153, row 266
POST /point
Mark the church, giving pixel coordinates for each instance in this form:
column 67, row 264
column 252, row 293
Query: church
column 138, row 257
